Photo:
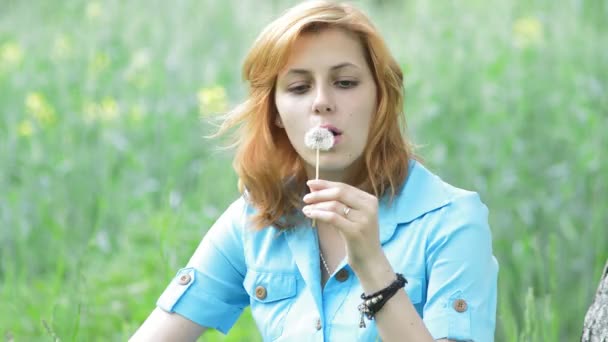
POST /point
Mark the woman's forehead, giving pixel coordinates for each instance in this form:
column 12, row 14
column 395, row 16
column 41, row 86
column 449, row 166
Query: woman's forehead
column 330, row 49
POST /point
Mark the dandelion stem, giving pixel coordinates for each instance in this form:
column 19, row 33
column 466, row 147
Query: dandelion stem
column 317, row 173
column 314, row 223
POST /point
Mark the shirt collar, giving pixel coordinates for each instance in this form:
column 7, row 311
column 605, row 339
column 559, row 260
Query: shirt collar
column 421, row 193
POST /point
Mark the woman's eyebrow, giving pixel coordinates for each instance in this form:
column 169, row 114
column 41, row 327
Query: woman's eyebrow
column 333, row 68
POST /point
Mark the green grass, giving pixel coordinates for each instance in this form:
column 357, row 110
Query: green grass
column 107, row 186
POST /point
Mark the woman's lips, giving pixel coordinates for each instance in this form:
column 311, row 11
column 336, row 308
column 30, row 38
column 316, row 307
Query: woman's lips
column 335, row 131
column 332, row 129
column 337, row 139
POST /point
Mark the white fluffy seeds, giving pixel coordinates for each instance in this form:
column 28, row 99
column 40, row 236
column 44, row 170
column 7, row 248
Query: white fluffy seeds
column 319, row 138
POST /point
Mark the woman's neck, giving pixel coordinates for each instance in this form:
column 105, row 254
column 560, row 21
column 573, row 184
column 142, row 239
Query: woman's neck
column 342, row 176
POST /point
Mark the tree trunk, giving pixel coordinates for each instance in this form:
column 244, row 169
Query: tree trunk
column 595, row 327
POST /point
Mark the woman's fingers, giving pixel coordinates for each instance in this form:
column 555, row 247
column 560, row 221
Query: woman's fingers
column 324, row 191
column 336, row 207
column 352, row 211
column 328, row 214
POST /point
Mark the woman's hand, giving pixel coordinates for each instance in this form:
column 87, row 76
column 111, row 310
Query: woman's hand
column 354, row 213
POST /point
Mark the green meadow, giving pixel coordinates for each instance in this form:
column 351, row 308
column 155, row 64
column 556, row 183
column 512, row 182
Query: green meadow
column 107, row 183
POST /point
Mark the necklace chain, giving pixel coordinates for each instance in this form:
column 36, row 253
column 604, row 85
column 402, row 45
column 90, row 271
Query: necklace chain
column 324, row 263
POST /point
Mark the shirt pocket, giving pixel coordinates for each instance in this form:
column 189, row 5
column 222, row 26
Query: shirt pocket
column 271, row 296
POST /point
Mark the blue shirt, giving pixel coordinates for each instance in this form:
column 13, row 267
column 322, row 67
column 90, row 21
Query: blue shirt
column 435, row 234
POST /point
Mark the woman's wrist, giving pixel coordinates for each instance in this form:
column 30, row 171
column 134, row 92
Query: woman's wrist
column 374, row 273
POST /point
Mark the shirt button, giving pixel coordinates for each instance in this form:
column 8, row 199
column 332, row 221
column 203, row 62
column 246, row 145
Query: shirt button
column 342, row 275
column 318, row 326
column 460, row 305
column 184, row 279
column 260, row 292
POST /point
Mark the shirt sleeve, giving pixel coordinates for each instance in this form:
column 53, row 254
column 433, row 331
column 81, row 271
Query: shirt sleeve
column 209, row 290
column 462, row 273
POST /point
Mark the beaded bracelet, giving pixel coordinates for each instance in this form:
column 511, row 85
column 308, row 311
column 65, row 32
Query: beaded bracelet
column 374, row 302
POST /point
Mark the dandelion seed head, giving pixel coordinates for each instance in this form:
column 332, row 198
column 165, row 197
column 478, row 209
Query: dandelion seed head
column 319, row 138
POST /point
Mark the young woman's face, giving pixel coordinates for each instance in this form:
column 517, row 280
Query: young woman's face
column 327, row 81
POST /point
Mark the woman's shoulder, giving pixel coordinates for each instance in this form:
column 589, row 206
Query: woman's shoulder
column 231, row 221
column 425, row 192
column 237, row 218
column 422, row 178
column 456, row 208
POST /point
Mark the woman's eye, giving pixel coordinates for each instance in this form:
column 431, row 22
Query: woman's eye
column 346, row 84
column 299, row 89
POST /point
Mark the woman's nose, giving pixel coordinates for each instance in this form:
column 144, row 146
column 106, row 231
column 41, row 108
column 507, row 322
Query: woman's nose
column 323, row 108
column 323, row 103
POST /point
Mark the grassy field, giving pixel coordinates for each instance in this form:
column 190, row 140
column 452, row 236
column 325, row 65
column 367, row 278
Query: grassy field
column 107, row 186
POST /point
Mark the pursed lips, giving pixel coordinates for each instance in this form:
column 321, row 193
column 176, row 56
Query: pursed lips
column 333, row 129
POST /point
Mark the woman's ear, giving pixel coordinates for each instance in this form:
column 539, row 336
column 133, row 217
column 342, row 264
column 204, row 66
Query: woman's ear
column 278, row 122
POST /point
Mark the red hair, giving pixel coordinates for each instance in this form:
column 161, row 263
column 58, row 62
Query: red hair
column 271, row 173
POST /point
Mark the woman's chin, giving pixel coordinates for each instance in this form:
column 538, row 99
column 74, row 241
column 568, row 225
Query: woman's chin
column 331, row 166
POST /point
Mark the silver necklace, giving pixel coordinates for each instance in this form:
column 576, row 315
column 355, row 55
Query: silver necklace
column 324, row 263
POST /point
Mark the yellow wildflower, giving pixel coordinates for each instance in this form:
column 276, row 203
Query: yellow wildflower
column 25, row 128
column 212, row 100
column 137, row 72
column 90, row 111
column 136, row 113
column 107, row 110
column 99, row 63
column 38, row 107
column 140, row 60
column 10, row 54
column 62, row 47
column 527, row 31
column 93, row 10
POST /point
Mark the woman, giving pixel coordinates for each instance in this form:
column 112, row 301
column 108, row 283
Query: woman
column 383, row 221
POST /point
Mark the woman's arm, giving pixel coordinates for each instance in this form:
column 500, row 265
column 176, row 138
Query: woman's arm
column 398, row 319
column 208, row 292
column 460, row 264
column 163, row 326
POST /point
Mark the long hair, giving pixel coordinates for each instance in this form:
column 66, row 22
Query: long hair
column 271, row 174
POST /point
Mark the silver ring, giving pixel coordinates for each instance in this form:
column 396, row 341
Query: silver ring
column 346, row 210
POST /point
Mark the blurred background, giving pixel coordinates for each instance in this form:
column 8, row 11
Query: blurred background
column 107, row 185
